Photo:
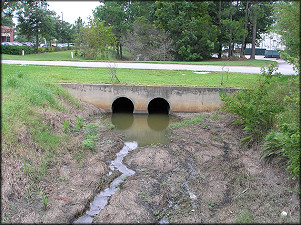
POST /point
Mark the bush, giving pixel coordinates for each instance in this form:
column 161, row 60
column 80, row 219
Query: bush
column 16, row 50
column 270, row 115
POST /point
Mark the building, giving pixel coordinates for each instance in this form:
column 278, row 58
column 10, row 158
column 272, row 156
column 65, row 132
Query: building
column 7, row 34
column 269, row 41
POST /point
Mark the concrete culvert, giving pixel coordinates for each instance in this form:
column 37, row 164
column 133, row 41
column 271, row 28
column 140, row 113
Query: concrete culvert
column 159, row 106
column 122, row 105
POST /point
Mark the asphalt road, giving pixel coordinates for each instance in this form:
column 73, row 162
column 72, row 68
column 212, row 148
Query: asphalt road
column 284, row 68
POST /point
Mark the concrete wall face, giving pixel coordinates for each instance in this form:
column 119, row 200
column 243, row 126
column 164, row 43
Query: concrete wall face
column 180, row 99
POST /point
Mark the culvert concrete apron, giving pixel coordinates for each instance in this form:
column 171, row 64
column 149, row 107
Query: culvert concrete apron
column 284, row 68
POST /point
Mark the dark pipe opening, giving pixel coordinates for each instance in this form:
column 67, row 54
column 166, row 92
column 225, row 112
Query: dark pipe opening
column 122, row 105
column 159, row 106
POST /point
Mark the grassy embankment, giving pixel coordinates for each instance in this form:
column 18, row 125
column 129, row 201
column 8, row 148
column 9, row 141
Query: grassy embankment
column 24, row 100
column 66, row 56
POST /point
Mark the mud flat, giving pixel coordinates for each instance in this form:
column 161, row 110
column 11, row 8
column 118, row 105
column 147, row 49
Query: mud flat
column 202, row 176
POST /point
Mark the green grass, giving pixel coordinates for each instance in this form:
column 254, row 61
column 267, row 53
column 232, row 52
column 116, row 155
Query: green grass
column 22, row 97
column 66, row 56
column 47, row 56
column 256, row 63
column 187, row 122
column 244, row 217
column 57, row 74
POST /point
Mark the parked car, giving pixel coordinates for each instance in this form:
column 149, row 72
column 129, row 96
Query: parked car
column 15, row 43
column 30, row 44
column 6, row 43
column 272, row 54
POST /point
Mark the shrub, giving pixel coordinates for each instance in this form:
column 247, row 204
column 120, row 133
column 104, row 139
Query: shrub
column 256, row 107
column 269, row 113
column 16, row 50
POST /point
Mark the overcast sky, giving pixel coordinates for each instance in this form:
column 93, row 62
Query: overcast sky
column 73, row 9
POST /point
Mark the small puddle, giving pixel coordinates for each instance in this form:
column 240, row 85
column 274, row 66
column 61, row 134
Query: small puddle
column 101, row 200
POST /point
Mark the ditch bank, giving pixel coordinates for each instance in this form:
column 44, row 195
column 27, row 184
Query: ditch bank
column 202, row 176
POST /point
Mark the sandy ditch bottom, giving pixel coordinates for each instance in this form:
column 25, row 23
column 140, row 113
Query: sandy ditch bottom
column 202, row 176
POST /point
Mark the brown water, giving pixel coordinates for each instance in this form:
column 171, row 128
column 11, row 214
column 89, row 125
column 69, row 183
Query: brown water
column 145, row 129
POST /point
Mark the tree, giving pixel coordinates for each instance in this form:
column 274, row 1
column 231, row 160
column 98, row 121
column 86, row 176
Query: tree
column 121, row 14
column 95, row 38
column 190, row 27
column 63, row 31
column 287, row 24
column 34, row 19
column 9, row 7
column 255, row 12
column 246, row 19
column 147, row 42
column 114, row 14
column 260, row 17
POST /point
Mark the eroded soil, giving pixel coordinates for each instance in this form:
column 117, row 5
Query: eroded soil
column 203, row 176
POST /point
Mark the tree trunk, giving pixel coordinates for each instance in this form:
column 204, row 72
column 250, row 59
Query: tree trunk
column 254, row 23
column 230, row 39
column 117, row 50
column 242, row 52
column 120, row 45
column 37, row 42
column 220, row 49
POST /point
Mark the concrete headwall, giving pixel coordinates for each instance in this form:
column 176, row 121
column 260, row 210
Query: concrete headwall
column 180, row 99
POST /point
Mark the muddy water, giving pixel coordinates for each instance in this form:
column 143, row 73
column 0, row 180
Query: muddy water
column 145, row 129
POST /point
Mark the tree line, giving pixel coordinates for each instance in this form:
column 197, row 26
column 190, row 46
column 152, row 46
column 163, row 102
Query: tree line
column 185, row 30
column 160, row 30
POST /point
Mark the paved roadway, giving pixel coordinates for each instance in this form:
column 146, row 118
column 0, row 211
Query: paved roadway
column 284, row 68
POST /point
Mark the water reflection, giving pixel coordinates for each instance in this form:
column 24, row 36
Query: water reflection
column 122, row 121
column 145, row 129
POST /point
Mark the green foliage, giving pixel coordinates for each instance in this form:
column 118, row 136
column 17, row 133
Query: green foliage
column 190, row 26
column 16, row 50
column 287, row 14
column 257, row 108
column 270, row 114
column 66, row 125
column 34, row 19
column 95, row 39
column 148, row 42
column 92, row 136
column 79, row 124
column 89, row 144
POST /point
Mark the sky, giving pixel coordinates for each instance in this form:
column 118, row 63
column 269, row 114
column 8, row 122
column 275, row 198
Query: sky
column 73, row 9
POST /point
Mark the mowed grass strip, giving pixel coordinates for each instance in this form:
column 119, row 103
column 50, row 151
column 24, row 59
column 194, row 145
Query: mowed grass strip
column 61, row 74
column 66, row 56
